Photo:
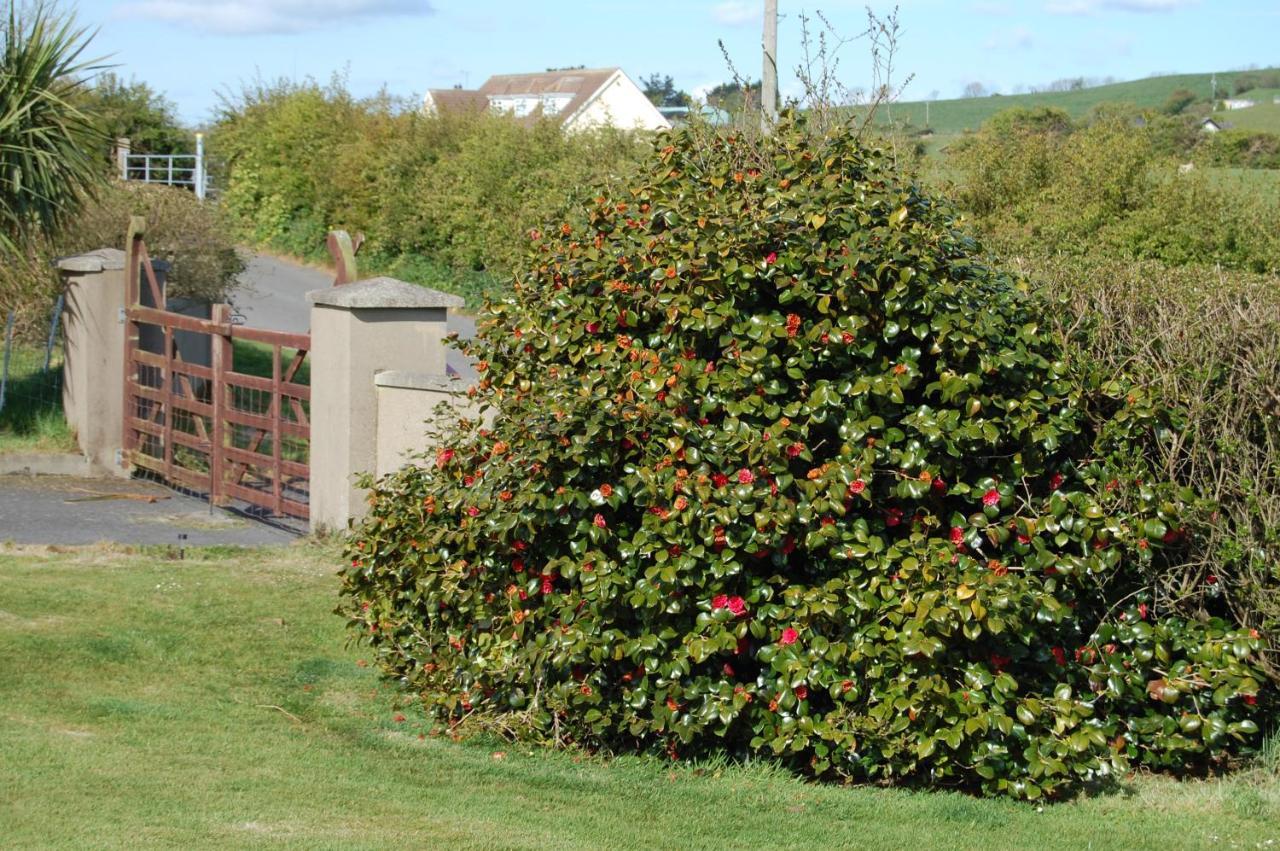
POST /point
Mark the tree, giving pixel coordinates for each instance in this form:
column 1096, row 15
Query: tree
column 735, row 96
column 133, row 110
column 661, row 91
column 1178, row 100
column 975, row 90
column 49, row 146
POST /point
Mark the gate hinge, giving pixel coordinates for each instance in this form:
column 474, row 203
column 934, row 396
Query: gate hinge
column 121, row 317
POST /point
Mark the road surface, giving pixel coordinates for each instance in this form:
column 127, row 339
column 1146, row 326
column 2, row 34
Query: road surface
column 273, row 294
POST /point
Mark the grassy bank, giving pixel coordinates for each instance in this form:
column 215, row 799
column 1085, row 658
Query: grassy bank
column 214, row 702
column 31, row 418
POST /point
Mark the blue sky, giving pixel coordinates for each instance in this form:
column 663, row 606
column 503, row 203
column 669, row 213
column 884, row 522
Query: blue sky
column 192, row 49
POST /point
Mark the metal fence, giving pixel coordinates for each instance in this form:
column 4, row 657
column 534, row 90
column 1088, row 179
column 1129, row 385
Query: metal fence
column 30, row 374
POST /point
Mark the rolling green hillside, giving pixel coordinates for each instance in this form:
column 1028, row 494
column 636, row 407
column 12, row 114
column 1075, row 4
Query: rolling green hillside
column 952, row 117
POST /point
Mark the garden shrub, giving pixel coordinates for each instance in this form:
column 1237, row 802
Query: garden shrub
column 778, row 466
column 1207, row 342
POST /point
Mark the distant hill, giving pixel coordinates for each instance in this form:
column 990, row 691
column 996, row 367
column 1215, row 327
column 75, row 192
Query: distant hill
column 952, row 117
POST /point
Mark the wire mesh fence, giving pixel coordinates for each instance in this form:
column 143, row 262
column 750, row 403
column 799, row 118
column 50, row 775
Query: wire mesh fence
column 31, row 375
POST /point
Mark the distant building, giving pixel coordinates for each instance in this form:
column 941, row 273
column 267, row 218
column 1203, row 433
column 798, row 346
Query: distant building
column 1210, row 126
column 579, row 99
column 1238, row 103
column 678, row 115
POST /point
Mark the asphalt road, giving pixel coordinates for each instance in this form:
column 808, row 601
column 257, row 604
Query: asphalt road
column 69, row 511
column 273, row 295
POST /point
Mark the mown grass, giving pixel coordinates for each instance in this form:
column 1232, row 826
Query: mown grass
column 214, row 702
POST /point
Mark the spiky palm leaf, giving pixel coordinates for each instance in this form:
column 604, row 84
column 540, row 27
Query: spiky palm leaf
column 48, row 145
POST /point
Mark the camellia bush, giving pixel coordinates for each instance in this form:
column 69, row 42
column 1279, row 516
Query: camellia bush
column 778, row 467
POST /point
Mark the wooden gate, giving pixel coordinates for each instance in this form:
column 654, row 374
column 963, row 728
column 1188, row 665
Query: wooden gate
column 212, row 406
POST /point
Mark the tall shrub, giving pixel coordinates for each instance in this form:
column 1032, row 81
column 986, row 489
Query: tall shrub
column 778, row 466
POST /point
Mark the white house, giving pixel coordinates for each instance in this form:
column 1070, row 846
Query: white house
column 579, row 99
column 1210, row 126
column 1238, row 103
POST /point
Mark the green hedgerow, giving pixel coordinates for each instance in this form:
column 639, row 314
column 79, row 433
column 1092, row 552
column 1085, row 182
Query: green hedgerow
column 777, row 467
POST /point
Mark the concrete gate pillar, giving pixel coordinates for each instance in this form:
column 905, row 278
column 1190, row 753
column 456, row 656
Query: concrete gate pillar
column 93, row 372
column 358, row 330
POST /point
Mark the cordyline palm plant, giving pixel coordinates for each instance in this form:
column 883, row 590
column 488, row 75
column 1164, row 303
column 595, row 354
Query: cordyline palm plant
column 47, row 143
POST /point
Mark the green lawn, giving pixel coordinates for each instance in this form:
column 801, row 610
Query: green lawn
column 146, row 701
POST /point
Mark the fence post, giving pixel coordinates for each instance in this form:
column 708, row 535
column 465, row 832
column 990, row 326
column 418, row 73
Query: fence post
column 94, row 368
column 122, row 156
column 220, row 361
column 358, row 330
column 198, row 177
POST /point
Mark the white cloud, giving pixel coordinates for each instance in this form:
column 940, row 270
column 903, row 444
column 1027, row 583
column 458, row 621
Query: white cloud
column 1089, row 7
column 736, row 13
column 252, row 17
column 1017, row 38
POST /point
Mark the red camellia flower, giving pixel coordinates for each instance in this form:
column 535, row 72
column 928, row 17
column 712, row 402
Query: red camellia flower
column 472, row 511
column 720, row 601
column 957, row 535
column 1142, row 611
column 893, row 517
column 802, row 692
column 1250, row 699
column 999, row 662
column 606, row 491
column 593, row 327
column 719, row 479
column 736, row 605
column 1055, row 481
column 1059, row 655
column 793, row 324
column 846, row 337
column 939, row 484
column 991, row 497
column 444, row 456
column 745, row 476
column 857, row 487
column 600, row 521
column 789, row 637
column 728, row 669
column 795, row 449
column 399, row 717
column 771, row 258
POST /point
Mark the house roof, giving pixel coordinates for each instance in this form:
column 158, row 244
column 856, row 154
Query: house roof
column 456, row 100
column 581, row 83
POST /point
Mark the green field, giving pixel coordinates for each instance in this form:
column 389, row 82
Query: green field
column 215, row 702
column 952, row 117
column 1265, row 116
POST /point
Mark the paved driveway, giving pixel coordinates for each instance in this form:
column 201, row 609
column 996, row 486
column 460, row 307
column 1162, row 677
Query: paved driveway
column 273, row 294
column 71, row 511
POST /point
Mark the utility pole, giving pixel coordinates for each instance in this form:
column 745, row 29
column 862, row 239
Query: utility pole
column 769, row 79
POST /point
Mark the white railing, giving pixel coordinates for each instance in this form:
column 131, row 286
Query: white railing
column 187, row 170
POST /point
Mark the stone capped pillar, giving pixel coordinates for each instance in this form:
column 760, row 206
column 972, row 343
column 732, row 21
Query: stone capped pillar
column 358, row 330
column 93, row 372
